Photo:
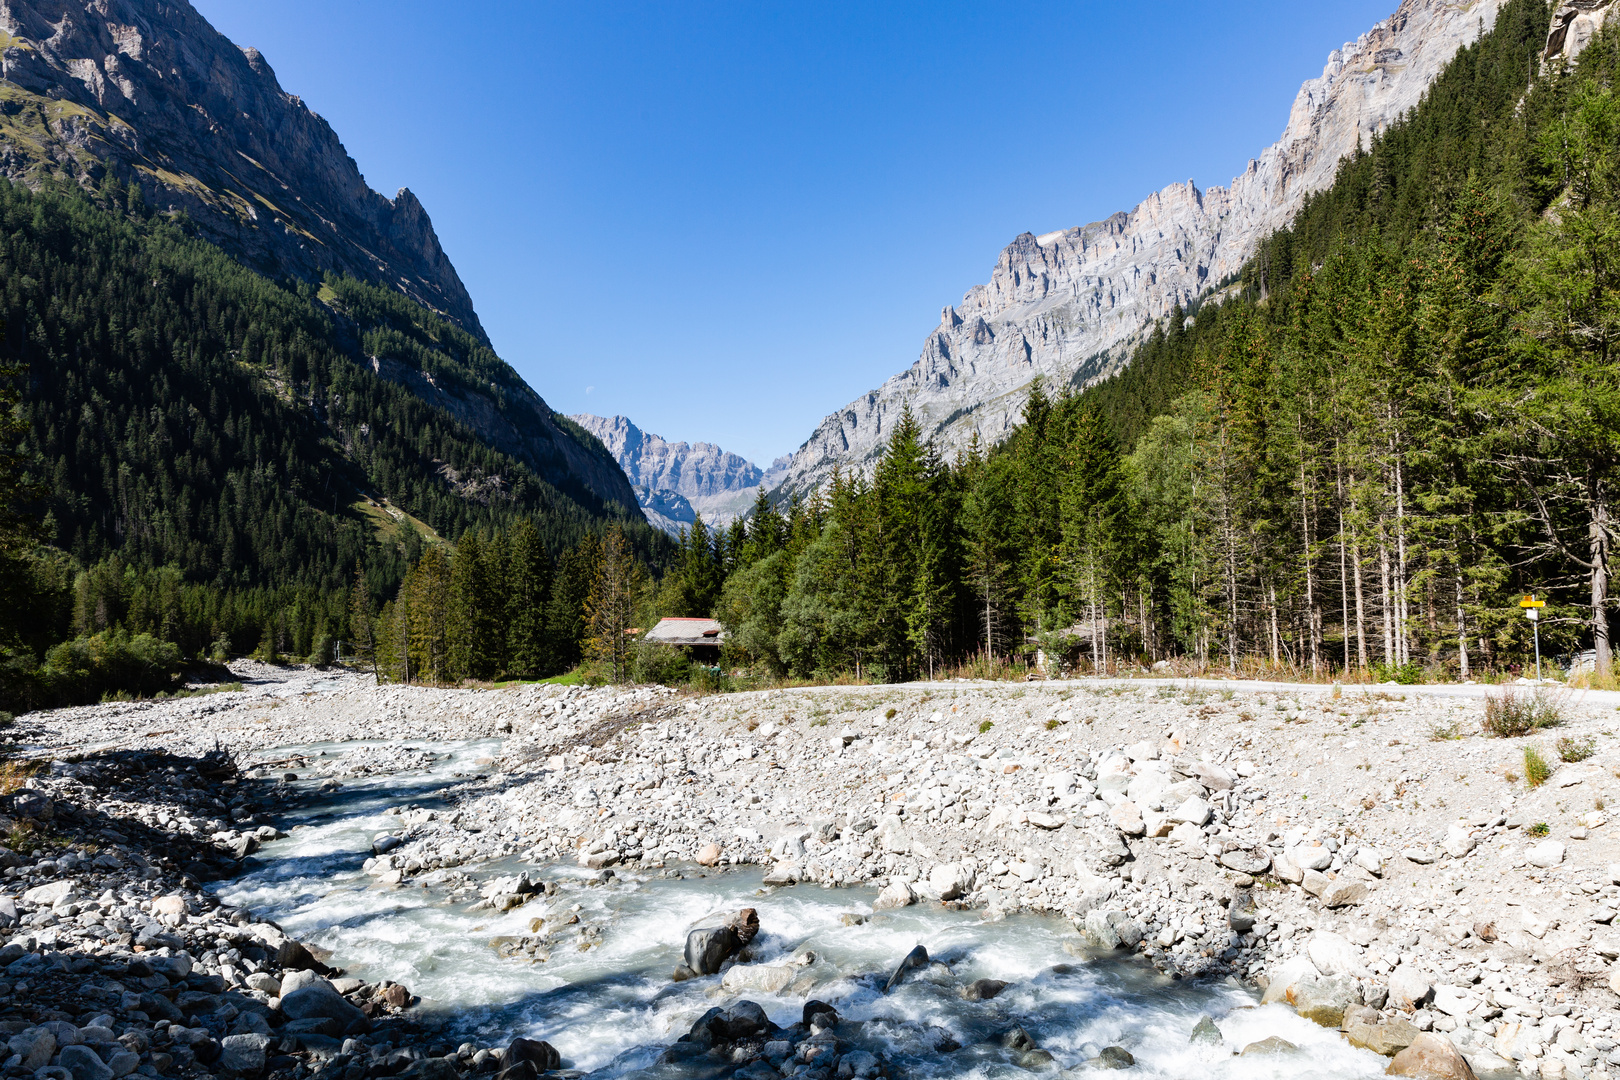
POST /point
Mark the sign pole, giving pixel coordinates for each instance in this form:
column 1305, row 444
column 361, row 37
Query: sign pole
column 1532, row 611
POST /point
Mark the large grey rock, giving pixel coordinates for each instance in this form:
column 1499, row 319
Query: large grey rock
column 1307, row 857
column 1342, row 892
column 1111, row 929
column 896, row 894
column 85, row 1064
column 950, row 881
column 916, row 959
column 1285, row 976
column 305, row 994
column 244, row 1053
column 48, row 893
column 1247, row 860
column 1325, row 998
column 1431, row 1057
column 1213, row 776
column 1409, row 988
column 1334, row 954
column 537, row 1052
column 1193, row 811
column 1547, row 854
column 36, row 1049
column 982, row 989
column 1388, row 1037
column 1272, row 1045
column 1125, row 817
column 1459, row 841
column 710, row 946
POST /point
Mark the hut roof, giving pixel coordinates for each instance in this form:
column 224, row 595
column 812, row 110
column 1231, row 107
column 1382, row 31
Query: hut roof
column 687, row 632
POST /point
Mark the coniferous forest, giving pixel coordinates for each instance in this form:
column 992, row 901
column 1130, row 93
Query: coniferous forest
column 1352, row 461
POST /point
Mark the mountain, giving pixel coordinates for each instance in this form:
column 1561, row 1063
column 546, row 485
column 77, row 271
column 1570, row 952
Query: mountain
column 97, row 93
column 203, row 126
column 675, row 480
column 1070, row 304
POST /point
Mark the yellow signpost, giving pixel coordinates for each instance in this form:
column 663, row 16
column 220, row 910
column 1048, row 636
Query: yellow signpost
column 1532, row 611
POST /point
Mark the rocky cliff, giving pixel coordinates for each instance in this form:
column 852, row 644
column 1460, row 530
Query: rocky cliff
column 204, row 127
column 675, row 480
column 1070, row 304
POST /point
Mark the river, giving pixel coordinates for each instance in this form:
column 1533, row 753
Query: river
column 612, row 1009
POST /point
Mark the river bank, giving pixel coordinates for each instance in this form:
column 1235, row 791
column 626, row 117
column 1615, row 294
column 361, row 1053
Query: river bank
column 1361, row 854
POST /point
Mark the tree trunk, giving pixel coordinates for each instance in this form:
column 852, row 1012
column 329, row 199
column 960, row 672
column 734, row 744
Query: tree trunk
column 1403, row 614
column 1462, row 634
column 1384, row 585
column 1598, row 536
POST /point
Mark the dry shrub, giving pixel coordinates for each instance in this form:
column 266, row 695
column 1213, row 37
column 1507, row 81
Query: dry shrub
column 13, row 774
column 1512, row 715
column 1572, row 749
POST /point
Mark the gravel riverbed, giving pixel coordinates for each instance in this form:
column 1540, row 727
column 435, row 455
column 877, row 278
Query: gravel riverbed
column 1362, row 854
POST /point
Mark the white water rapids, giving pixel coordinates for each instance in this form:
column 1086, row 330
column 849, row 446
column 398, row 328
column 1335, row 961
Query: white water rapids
column 613, row 1009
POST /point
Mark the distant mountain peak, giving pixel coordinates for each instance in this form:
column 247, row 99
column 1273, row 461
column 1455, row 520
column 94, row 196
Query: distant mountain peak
column 674, row 480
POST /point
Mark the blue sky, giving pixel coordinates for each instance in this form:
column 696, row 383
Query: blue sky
column 727, row 220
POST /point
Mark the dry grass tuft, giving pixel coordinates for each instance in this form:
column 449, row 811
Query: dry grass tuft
column 1536, row 769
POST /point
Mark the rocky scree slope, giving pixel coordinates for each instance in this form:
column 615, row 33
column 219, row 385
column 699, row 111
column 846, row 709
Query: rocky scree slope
column 205, row 127
column 1070, row 304
column 1365, row 856
column 674, row 480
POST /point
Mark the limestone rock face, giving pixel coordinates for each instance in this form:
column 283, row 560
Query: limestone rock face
column 676, row 480
column 204, row 127
column 1070, row 304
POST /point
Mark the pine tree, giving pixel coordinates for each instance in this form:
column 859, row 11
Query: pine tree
column 362, row 629
column 528, row 590
column 610, row 610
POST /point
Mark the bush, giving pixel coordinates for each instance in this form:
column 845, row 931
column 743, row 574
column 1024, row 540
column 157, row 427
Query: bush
column 709, row 680
column 660, row 664
column 109, row 664
column 1536, row 769
column 1510, row 715
column 322, row 651
column 1572, row 749
column 985, row 726
column 1408, row 674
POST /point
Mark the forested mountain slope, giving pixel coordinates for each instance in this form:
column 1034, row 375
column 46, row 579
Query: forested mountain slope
column 217, row 454
column 144, row 99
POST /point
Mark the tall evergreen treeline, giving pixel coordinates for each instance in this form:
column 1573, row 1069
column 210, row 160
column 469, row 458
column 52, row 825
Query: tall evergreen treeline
column 1404, row 415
